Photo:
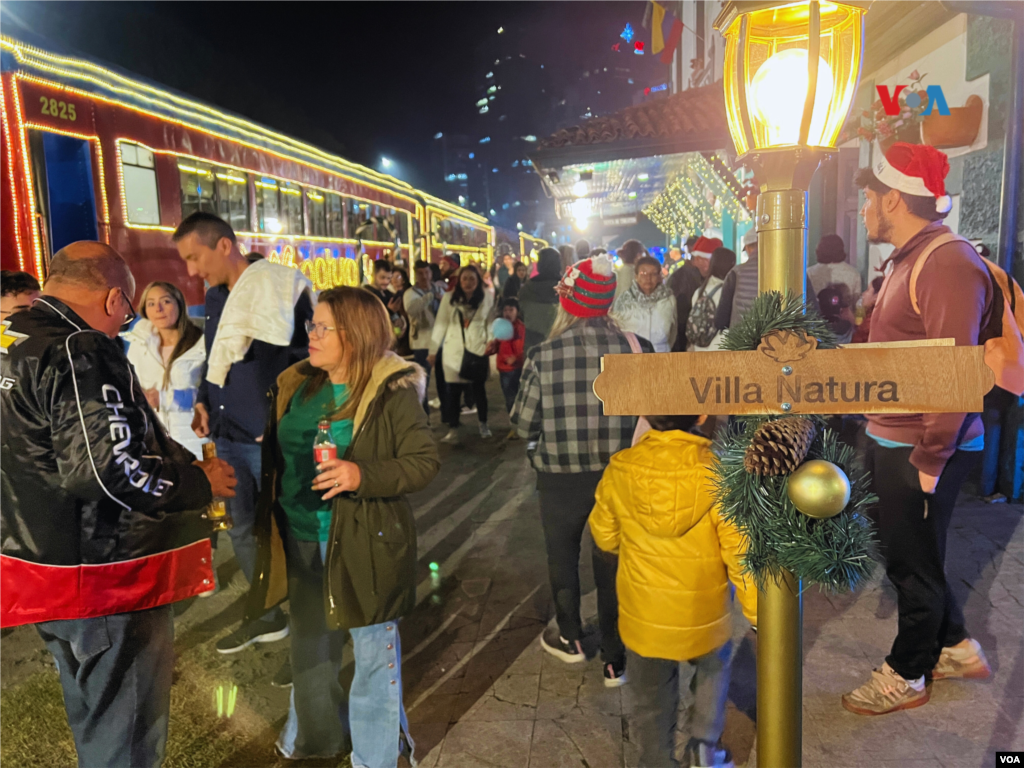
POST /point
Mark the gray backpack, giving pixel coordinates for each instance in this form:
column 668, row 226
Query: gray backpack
column 700, row 325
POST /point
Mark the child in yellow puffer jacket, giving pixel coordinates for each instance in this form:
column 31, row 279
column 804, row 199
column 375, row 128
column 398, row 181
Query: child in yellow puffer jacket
column 677, row 556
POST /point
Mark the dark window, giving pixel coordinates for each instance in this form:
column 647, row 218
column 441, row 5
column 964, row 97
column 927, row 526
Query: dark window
column 317, row 213
column 268, row 207
column 335, row 215
column 291, row 207
column 232, row 193
column 197, row 187
column 214, row 189
column 358, row 215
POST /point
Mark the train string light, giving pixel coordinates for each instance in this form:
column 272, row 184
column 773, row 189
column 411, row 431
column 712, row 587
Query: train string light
column 260, row 182
column 192, row 126
column 10, row 178
column 37, row 248
column 94, row 141
column 23, row 54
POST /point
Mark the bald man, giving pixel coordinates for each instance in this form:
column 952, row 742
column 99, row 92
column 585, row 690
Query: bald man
column 101, row 512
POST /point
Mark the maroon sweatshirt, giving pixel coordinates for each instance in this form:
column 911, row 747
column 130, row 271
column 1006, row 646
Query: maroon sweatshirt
column 955, row 295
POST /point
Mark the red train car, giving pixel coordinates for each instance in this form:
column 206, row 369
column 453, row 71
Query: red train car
column 91, row 153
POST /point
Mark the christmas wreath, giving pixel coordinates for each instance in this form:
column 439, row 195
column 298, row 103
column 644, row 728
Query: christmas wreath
column 768, row 466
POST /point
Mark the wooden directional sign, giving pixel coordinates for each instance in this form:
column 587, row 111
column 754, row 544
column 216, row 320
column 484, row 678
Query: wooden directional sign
column 788, row 374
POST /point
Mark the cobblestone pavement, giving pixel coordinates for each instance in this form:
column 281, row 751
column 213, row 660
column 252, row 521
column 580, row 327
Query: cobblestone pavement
column 480, row 692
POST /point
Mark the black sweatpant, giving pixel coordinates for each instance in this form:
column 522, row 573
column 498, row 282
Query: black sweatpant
column 912, row 528
column 565, row 504
column 451, row 396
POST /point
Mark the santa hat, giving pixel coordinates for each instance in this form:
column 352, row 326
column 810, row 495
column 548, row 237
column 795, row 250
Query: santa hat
column 705, row 246
column 588, row 287
column 916, row 169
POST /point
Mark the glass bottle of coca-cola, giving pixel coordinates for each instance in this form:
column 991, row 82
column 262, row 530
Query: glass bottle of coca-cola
column 217, row 512
column 324, row 447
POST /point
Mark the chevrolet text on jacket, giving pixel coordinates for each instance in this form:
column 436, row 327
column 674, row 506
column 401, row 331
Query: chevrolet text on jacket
column 101, row 510
column 370, row 568
column 178, row 397
column 654, row 507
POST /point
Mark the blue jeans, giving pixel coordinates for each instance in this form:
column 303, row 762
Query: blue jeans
column 510, row 386
column 316, row 715
column 246, row 459
column 116, row 674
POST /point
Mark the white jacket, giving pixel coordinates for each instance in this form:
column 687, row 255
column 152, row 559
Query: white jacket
column 261, row 307
column 177, row 399
column 448, row 331
column 649, row 317
column 421, row 317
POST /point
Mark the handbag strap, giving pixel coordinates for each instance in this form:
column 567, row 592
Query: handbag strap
column 634, row 345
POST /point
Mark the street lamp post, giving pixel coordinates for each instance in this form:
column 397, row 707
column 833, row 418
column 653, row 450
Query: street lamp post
column 791, row 72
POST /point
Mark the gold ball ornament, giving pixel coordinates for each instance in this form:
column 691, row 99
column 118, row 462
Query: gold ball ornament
column 819, row 489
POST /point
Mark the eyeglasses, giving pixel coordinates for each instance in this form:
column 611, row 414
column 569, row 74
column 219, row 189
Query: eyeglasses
column 317, row 330
column 130, row 315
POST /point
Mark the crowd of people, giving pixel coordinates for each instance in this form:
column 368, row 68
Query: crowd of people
column 107, row 442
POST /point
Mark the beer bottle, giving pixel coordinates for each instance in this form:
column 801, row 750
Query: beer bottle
column 217, row 512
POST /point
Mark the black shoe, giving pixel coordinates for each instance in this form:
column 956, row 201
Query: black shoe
column 283, row 678
column 258, row 631
column 552, row 642
column 615, row 674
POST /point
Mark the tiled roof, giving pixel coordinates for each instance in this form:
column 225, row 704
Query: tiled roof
column 697, row 110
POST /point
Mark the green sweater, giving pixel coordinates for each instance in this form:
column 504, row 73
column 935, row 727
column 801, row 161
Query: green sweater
column 309, row 516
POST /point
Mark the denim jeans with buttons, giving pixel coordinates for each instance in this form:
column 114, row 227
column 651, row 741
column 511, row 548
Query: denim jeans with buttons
column 322, row 716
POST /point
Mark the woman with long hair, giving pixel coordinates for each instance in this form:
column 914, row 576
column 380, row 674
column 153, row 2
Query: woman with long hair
column 462, row 331
column 399, row 285
column 571, row 441
column 338, row 538
column 646, row 307
column 514, row 283
column 168, row 353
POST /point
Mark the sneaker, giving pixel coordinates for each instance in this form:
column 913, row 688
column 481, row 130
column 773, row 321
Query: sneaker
column 216, row 587
column 705, row 755
column 552, row 642
column 435, row 403
column 283, row 678
column 258, row 631
column 886, row 692
column 485, row 431
column 965, row 659
column 467, row 411
column 615, row 674
column 452, row 438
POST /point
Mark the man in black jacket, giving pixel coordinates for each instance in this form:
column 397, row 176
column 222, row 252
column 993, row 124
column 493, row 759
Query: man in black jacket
column 234, row 412
column 101, row 518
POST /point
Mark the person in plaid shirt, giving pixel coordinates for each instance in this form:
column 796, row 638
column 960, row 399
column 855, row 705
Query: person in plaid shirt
column 571, row 441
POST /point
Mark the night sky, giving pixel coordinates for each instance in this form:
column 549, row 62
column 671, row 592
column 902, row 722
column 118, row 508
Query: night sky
column 363, row 79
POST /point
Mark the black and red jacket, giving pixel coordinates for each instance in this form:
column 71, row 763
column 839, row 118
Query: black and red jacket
column 101, row 509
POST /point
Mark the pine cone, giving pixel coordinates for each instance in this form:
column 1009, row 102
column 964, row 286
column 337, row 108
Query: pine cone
column 779, row 447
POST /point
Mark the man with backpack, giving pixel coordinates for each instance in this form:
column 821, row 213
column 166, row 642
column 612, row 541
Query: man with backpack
column 686, row 279
column 936, row 287
column 701, row 333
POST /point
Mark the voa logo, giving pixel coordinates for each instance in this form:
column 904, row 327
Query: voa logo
column 1009, row 758
column 891, row 101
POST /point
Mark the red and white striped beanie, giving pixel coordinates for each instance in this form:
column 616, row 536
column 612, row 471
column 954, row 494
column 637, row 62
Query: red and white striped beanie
column 588, row 287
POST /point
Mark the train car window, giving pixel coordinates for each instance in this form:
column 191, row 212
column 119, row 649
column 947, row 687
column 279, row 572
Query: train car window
column 268, row 207
column 291, row 207
column 335, row 215
column 358, row 214
column 138, row 170
column 401, row 221
column 197, row 187
column 317, row 213
column 232, row 193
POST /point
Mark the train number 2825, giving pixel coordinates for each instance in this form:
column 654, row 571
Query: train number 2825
column 53, row 108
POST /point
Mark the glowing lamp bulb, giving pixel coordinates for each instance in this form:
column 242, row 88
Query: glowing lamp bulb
column 385, row 162
column 579, row 189
column 778, row 92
